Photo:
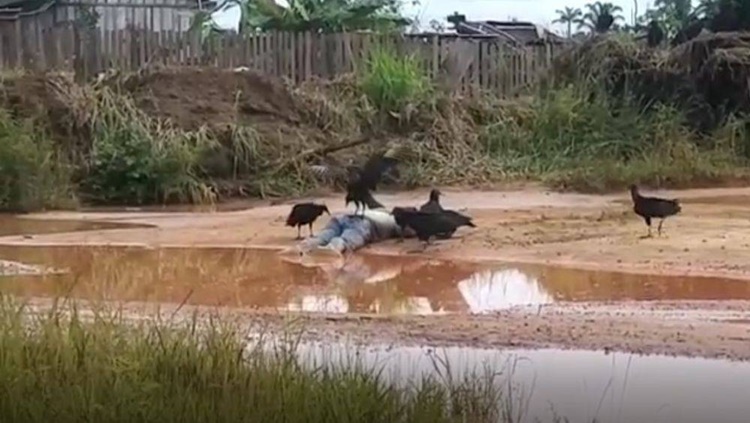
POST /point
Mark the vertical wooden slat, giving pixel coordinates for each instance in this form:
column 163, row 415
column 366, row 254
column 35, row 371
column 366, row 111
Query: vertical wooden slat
column 242, row 48
column 40, row 59
column 267, row 55
column 275, row 51
column 18, row 60
column 178, row 40
column 308, row 55
column 293, row 50
column 281, row 63
column 254, row 53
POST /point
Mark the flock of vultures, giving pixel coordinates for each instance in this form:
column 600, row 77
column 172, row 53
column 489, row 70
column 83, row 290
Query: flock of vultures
column 430, row 220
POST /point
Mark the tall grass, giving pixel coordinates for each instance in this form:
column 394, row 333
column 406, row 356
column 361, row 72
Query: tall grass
column 33, row 175
column 61, row 367
column 392, row 82
column 576, row 137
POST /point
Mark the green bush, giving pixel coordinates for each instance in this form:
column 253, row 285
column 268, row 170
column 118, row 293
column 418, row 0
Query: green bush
column 59, row 368
column 137, row 160
column 32, row 175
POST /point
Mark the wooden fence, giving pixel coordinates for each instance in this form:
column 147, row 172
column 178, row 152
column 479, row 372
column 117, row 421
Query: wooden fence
column 460, row 64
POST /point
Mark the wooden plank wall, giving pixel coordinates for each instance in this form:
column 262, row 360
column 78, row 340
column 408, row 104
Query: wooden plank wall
column 137, row 36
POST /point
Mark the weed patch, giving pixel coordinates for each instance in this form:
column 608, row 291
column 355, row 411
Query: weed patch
column 33, row 176
column 136, row 159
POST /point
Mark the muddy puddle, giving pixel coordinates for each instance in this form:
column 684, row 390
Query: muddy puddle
column 14, row 225
column 582, row 386
column 249, row 278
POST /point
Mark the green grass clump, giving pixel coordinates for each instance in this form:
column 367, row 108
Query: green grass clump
column 136, row 159
column 56, row 367
column 33, row 176
column 392, row 82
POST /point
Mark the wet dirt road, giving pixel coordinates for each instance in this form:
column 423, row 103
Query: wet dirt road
column 702, row 309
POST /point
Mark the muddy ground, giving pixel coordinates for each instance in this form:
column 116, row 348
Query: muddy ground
column 711, row 237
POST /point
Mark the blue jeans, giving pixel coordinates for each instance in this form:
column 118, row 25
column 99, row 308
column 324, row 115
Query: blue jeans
column 342, row 233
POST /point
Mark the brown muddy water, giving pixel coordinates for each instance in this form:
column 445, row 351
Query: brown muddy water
column 362, row 284
column 578, row 385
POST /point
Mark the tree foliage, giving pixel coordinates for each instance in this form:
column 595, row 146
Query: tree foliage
column 569, row 16
column 600, row 17
column 323, row 16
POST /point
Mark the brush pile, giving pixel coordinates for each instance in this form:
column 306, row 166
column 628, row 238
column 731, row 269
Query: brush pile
column 707, row 78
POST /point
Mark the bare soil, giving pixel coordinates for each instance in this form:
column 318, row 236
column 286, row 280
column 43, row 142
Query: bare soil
column 711, row 237
column 215, row 97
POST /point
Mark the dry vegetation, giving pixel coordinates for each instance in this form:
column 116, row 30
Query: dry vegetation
column 609, row 114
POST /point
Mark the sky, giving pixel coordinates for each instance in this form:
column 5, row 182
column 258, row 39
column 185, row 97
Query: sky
column 541, row 12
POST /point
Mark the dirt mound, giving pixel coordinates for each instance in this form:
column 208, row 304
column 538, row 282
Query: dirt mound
column 36, row 97
column 708, row 77
column 194, row 97
column 32, row 96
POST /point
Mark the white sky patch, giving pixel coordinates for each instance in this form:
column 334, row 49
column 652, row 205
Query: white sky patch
column 541, row 12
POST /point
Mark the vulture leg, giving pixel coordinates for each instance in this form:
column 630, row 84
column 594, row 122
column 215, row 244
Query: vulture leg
column 311, row 232
column 299, row 234
column 661, row 222
column 648, row 222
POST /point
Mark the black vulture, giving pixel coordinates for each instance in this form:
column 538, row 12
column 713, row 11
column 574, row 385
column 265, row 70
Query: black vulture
column 655, row 34
column 370, row 202
column 426, row 225
column 400, row 214
column 433, row 204
column 652, row 207
column 305, row 214
column 361, row 181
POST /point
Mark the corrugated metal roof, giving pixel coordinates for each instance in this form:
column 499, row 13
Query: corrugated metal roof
column 26, row 5
column 521, row 33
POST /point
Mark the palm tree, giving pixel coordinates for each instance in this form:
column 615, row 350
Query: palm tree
column 600, row 16
column 568, row 16
column 706, row 8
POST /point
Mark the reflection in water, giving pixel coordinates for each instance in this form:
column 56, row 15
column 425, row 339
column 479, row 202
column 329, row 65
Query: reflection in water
column 14, row 268
column 365, row 283
column 320, row 304
column 489, row 290
column 409, row 305
column 582, row 386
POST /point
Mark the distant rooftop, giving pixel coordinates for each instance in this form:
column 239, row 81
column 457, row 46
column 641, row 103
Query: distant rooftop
column 515, row 32
column 22, row 6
